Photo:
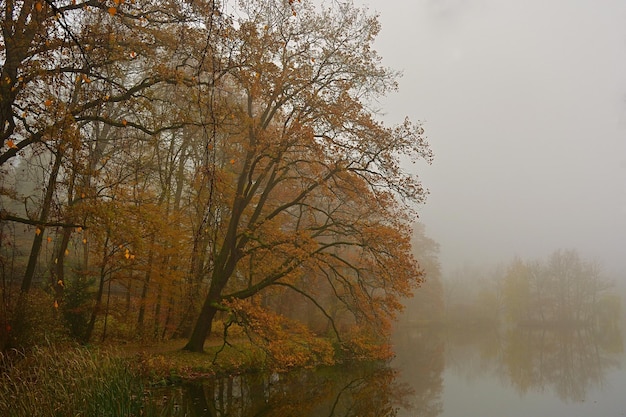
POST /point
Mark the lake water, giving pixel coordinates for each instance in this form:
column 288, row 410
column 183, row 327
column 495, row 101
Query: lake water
column 516, row 372
column 519, row 372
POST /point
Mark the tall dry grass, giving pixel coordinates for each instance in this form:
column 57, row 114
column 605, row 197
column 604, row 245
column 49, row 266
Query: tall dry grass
column 69, row 381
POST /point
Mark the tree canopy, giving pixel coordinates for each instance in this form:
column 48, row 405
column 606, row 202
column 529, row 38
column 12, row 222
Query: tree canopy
column 181, row 165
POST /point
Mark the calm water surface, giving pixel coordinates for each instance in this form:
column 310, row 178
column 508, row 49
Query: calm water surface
column 521, row 372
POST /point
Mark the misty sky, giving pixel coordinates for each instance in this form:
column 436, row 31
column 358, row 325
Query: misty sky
column 525, row 108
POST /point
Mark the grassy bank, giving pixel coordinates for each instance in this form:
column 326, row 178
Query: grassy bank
column 119, row 380
column 75, row 381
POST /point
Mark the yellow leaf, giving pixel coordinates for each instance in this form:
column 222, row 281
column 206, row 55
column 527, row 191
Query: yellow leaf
column 79, row 229
column 60, row 283
column 11, row 144
column 56, row 304
column 84, row 240
column 112, row 11
column 67, row 252
column 38, row 231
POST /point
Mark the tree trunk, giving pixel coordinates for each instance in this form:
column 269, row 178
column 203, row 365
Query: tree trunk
column 202, row 329
column 144, row 291
column 19, row 318
column 97, row 306
column 43, row 218
column 157, row 312
column 57, row 270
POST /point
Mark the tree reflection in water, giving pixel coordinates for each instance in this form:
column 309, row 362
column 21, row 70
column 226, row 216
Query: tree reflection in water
column 569, row 361
column 420, row 361
column 342, row 391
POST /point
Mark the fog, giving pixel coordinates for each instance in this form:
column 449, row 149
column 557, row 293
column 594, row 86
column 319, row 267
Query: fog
column 524, row 104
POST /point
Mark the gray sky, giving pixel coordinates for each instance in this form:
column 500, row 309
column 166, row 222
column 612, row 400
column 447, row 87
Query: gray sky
column 525, row 108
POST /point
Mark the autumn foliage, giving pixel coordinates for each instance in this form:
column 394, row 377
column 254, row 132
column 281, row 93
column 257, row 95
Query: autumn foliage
column 167, row 166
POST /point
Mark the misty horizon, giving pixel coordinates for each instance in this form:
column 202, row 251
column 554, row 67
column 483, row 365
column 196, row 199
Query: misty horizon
column 524, row 105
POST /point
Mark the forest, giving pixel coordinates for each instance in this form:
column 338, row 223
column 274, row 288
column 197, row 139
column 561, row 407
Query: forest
column 188, row 169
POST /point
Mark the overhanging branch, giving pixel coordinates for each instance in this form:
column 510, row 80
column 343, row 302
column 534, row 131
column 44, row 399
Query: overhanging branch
column 299, row 291
column 9, row 217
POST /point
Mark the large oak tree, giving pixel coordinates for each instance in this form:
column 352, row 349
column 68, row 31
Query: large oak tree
column 311, row 187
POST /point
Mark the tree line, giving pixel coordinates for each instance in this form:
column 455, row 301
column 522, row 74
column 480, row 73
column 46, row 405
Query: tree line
column 563, row 289
column 177, row 168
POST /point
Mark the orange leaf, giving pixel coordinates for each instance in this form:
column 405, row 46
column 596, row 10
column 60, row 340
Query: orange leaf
column 38, row 231
column 11, row 144
column 112, row 11
column 124, row 122
column 67, row 252
column 38, row 6
column 49, row 239
column 56, row 304
column 48, row 102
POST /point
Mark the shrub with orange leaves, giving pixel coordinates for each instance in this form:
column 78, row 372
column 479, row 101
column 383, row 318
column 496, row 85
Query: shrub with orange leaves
column 287, row 343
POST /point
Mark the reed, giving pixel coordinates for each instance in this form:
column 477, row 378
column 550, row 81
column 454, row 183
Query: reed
column 74, row 381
